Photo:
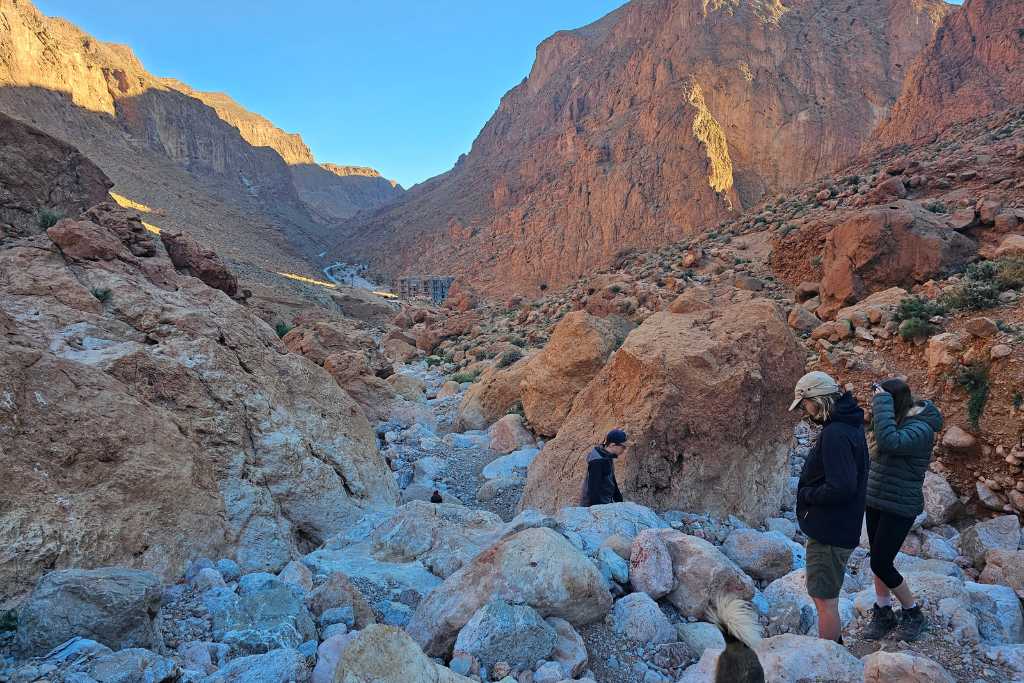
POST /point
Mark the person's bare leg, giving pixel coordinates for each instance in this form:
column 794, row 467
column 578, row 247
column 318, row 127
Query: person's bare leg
column 883, row 596
column 829, row 625
column 903, row 594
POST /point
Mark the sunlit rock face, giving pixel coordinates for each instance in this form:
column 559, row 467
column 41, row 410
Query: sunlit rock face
column 652, row 123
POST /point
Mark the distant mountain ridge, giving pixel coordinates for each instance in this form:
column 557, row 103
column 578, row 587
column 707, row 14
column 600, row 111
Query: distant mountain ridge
column 205, row 163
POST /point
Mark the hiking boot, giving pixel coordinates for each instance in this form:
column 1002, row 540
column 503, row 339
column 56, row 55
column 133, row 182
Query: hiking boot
column 912, row 623
column 883, row 620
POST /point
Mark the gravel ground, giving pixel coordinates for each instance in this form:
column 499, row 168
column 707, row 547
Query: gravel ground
column 963, row 662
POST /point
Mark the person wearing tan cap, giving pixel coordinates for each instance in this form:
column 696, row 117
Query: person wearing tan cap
column 831, row 493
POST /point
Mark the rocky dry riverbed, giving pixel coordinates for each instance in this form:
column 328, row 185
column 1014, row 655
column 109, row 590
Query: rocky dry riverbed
column 470, row 590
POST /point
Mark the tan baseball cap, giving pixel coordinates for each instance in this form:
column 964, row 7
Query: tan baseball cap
column 813, row 384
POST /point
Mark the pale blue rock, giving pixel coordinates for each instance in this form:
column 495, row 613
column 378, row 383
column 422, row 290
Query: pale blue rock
column 229, row 570
column 278, row 666
column 637, row 617
column 266, row 613
column 113, row 605
column 587, row 528
column 339, row 615
column 500, row 632
column 613, row 567
column 197, row 565
column 1000, row 620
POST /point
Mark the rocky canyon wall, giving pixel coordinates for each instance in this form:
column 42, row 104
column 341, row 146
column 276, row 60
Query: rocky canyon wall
column 660, row 118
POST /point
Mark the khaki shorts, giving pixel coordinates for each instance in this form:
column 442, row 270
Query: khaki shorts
column 826, row 567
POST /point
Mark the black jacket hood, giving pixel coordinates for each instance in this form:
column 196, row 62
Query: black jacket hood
column 848, row 411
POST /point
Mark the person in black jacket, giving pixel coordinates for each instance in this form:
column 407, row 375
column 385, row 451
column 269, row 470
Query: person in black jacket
column 599, row 486
column 831, row 492
column 900, row 445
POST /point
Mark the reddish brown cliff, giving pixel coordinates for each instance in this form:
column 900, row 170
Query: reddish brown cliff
column 196, row 161
column 661, row 117
column 973, row 67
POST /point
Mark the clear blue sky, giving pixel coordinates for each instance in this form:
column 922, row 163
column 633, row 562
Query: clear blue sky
column 403, row 86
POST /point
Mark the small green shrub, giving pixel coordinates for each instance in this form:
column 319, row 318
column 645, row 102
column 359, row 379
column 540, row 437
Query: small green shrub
column 974, row 379
column 816, row 261
column 103, row 295
column 1018, row 400
column 465, row 376
column 517, row 341
column 49, row 217
column 1010, row 273
column 916, row 328
column 920, row 308
column 936, row 207
column 508, row 358
column 433, row 360
column 283, row 328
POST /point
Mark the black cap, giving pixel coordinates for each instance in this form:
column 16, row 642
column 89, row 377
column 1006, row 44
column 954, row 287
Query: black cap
column 615, row 436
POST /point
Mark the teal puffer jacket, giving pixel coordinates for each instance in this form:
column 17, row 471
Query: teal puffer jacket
column 900, row 459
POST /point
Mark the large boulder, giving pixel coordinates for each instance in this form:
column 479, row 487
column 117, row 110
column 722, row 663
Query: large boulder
column 500, row 632
column 284, row 665
column 703, row 397
column 266, row 613
column 443, row 537
column 702, row 572
column 906, row 667
column 791, row 658
column 766, row 556
column 1006, row 568
column 579, row 346
column 650, row 564
column 998, row 533
column 113, row 605
column 941, row 504
column 385, row 654
column 587, row 528
column 900, row 243
column 163, row 423
column 192, row 258
column 41, row 173
column 492, row 396
column 509, row 434
column 1000, row 619
column 338, row 592
column 535, row 567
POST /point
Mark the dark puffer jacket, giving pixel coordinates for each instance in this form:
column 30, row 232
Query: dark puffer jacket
column 902, row 455
column 833, row 483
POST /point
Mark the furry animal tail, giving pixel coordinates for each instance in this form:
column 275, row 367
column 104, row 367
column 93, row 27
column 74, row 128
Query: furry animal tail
column 738, row 663
column 735, row 617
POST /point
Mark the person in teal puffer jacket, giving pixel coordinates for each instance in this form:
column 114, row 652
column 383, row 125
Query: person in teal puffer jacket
column 901, row 445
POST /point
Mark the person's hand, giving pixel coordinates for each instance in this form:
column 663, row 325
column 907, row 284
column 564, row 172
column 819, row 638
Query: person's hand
column 878, row 389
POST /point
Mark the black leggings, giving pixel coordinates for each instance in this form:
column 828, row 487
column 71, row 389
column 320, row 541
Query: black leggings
column 886, row 533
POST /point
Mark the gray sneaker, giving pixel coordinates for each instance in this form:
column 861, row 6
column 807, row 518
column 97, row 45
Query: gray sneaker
column 912, row 624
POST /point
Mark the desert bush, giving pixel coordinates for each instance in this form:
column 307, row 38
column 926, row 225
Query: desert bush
column 1010, row 273
column 434, row 360
column 508, row 358
column 974, row 379
column 103, row 295
column 919, row 307
column 283, row 328
column 465, row 376
column 916, row 328
column 49, row 217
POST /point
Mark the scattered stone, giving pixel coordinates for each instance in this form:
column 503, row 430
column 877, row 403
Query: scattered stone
column 638, row 618
column 765, row 556
column 516, row 634
column 905, row 667
column 998, row 533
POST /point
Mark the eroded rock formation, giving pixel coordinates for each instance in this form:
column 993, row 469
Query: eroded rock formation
column 658, row 119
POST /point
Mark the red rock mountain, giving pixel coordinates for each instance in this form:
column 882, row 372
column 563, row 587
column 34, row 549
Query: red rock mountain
column 661, row 117
column 197, row 161
column 973, row 67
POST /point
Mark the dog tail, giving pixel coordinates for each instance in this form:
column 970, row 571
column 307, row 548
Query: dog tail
column 735, row 617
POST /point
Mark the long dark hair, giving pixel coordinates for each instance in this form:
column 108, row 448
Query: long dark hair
column 902, row 399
